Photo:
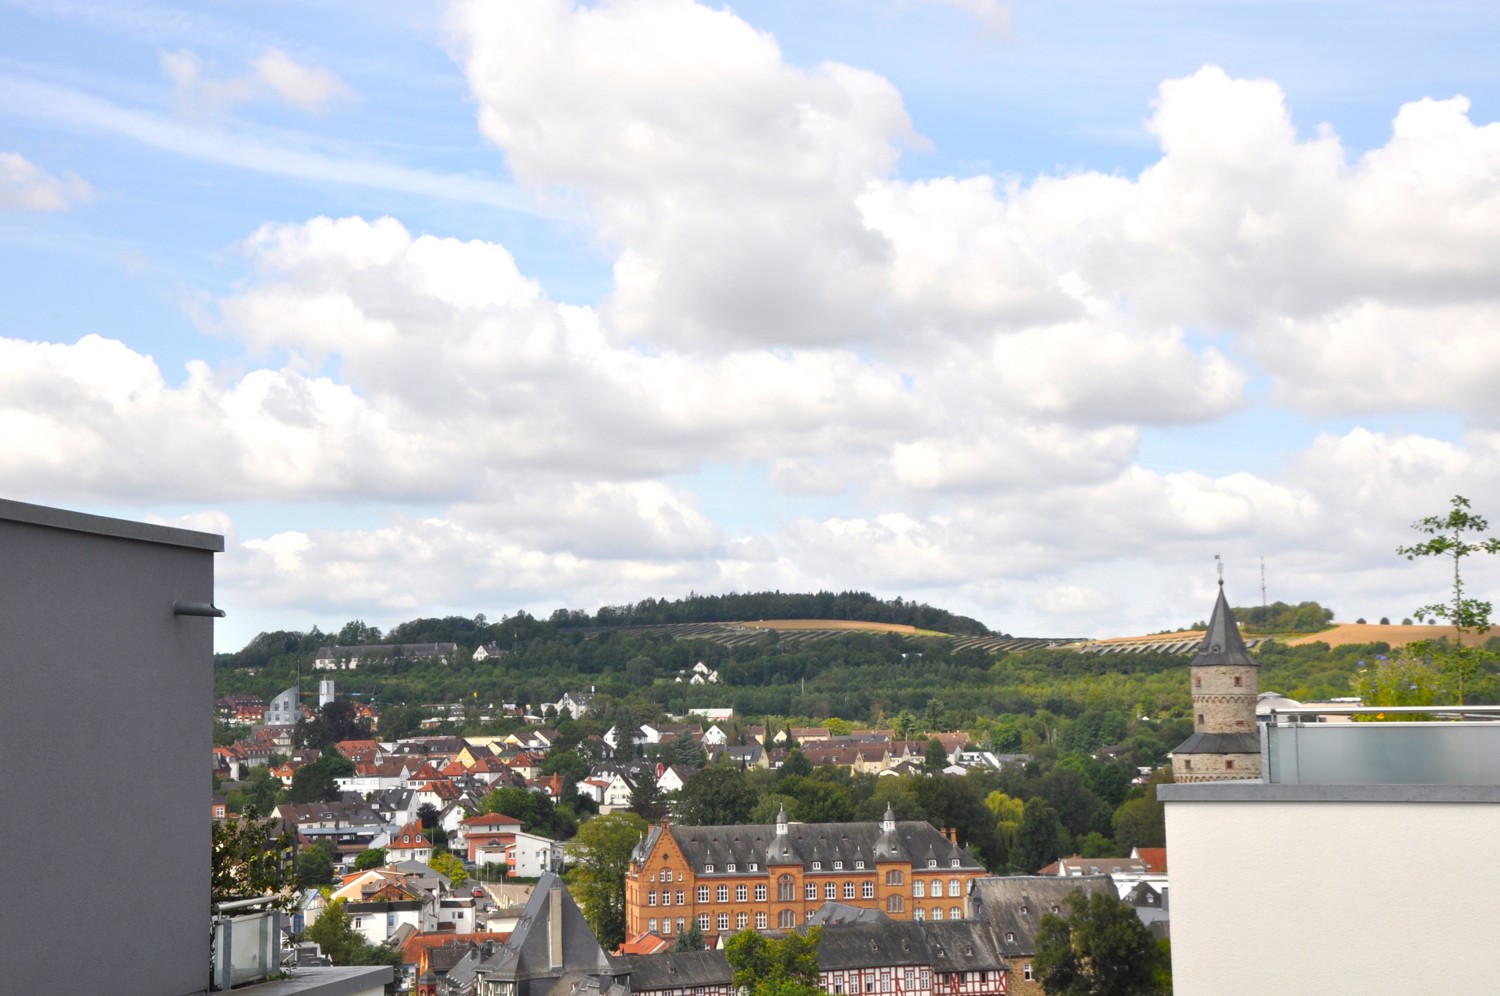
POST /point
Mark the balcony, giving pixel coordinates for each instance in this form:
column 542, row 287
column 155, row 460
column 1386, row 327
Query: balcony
column 1437, row 747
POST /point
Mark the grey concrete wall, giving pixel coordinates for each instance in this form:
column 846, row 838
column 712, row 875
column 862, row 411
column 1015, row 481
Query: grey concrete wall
column 106, row 733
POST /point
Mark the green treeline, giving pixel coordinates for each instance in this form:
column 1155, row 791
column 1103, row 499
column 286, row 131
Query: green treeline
column 851, row 606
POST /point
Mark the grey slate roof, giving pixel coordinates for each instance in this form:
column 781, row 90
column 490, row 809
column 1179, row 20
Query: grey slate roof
column 1220, row 743
column 1001, row 899
column 805, row 843
column 679, row 970
column 1222, row 644
column 526, row 959
column 833, row 912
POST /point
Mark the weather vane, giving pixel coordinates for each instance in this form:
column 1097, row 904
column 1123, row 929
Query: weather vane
column 1219, row 566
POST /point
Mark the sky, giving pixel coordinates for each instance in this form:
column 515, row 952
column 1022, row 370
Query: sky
column 1028, row 310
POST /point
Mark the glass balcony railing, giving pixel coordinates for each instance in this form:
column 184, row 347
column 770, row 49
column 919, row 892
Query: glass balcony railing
column 1438, row 746
column 247, row 947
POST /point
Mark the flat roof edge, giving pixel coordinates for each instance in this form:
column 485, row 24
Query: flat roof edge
column 1249, row 791
column 103, row 525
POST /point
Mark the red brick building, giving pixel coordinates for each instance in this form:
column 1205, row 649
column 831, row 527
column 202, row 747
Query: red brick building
column 772, row 877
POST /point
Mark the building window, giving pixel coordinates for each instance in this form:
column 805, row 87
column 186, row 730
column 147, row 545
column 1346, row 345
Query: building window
column 651, row 924
column 1197, row 681
column 1027, row 972
column 1200, row 719
column 937, row 887
column 932, row 862
column 954, row 863
column 848, row 890
column 708, row 869
column 741, row 893
column 810, row 891
column 741, row 921
column 1187, row 764
column 681, row 898
column 760, row 921
column 1239, row 682
column 1024, row 909
column 760, row 893
column 937, row 912
column 703, row 921
column 830, row 891
column 721, row 894
column 1228, row 764
column 920, row 914
column 702, row 893
column 894, row 878
column 681, row 922
column 954, row 889
column 653, row 878
column 817, row 866
column 754, row 866
column 666, row 897
column 650, row 899
column 859, row 866
column 729, row 867
column 1010, row 936
column 786, row 889
column 918, row 888
column 894, row 904
column 666, row 874
column 810, row 914
column 723, row 921
column 838, row 866
column 868, row 890
column 954, row 913
column 787, row 920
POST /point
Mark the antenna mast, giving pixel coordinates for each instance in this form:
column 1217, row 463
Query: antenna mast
column 1263, row 608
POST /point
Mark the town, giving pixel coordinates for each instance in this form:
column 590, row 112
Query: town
column 651, row 858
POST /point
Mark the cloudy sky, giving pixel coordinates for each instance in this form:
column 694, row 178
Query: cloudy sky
column 1024, row 309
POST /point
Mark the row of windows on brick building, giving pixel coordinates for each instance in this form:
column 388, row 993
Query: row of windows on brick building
column 785, row 921
column 787, row 891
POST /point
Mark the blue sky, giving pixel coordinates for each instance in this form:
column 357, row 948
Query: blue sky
column 1023, row 309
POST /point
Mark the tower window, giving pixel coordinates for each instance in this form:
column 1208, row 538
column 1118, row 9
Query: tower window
column 1197, row 682
column 1228, row 765
column 1238, row 681
column 1200, row 719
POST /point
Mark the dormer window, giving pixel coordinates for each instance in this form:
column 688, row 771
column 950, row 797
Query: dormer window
column 817, row 866
column 859, row 866
column 708, row 868
column 932, row 862
column 754, row 866
column 729, row 867
column 954, row 863
column 1024, row 910
column 838, row 866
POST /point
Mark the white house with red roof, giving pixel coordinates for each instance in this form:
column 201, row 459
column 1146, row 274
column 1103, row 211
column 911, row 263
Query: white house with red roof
column 409, row 843
column 487, row 836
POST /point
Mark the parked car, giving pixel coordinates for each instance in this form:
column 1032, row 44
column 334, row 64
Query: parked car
column 478, row 892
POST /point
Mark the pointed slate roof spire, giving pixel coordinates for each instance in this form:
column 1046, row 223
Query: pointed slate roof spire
column 1222, row 644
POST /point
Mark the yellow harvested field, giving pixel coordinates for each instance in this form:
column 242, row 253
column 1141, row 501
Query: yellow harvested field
column 1396, row 636
column 1187, row 634
column 828, row 624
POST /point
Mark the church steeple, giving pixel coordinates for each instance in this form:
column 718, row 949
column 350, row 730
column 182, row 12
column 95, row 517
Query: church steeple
column 1222, row 644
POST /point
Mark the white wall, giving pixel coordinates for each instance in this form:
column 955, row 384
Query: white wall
column 1270, row 894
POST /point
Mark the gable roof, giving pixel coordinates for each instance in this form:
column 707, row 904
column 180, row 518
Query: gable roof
column 527, row 954
column 1015, row 904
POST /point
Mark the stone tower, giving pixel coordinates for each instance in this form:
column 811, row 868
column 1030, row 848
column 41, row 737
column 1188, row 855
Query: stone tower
column 1225, row 744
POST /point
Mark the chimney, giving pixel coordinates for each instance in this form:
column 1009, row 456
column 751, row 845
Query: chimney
column 555, row 926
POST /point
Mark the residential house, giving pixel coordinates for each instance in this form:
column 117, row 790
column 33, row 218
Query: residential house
column 576, row 703
column 867, row 956
column 410, row 843
column 552, row 950
column 1014, row 905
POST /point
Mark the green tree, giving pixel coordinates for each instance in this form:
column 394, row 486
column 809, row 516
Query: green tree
column 1455, row 536
column 447, row 864
column 784, row 966
column 373, row 857
column 1397, row 680
column 253, row 857
column 1142, row 822
column 601, row 857
column 937, row 758
column 1039, row 838
column 690, row 939
column 715, row 797
column 1098, row 948
column 315, row 865
column 646, row 799
column 313, row 783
